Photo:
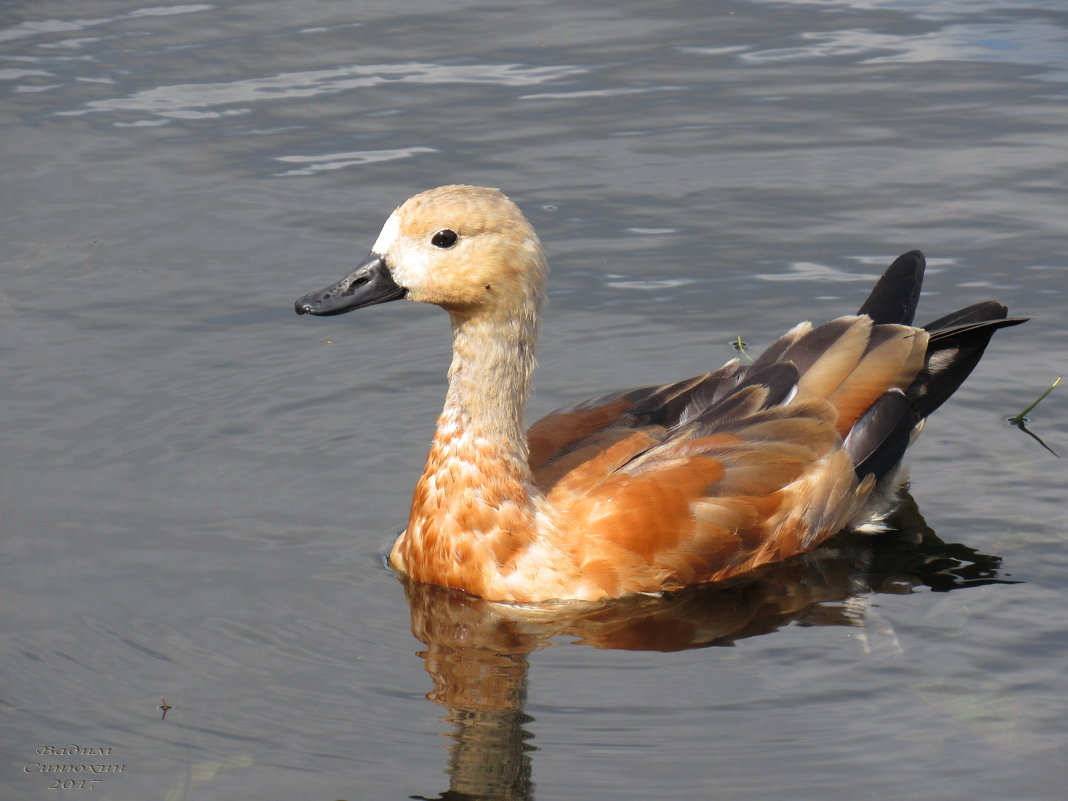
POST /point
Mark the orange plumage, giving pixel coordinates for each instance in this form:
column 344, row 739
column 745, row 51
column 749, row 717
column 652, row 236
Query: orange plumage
column 655, row 488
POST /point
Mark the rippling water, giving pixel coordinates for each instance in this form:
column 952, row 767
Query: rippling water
column 197, row 485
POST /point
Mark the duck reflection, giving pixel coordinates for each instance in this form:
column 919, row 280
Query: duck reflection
column 477, row 652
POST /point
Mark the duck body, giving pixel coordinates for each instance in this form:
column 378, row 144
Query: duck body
column 655, row 488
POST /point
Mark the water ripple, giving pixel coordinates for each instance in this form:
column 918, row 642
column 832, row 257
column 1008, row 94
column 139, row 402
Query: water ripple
column 930, row 9
column 44, row 27
column 339, row 161
column 1021, row 43
column 822, row 273
column 208, row 100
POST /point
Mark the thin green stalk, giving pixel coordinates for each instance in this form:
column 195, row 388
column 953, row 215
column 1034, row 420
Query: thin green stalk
column 1020, row 418
column 740, row 345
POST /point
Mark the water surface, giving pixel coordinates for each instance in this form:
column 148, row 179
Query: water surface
column 197, row 485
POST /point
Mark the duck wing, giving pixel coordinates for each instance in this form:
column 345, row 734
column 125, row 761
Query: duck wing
column 710, row 477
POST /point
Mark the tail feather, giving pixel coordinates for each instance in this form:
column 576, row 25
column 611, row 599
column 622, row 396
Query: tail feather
column 982, row 312
column 952, row 354
column 955, row 344
column 896, row 293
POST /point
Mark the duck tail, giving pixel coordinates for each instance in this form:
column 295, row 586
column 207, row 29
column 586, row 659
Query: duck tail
column 956, row 340
column 955, row 345
column 895, row 295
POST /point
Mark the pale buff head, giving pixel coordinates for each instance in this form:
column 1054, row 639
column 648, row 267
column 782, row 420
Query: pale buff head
column 468, row 249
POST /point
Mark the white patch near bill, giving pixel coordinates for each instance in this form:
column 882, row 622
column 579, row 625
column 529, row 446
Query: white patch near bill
column 390, row 232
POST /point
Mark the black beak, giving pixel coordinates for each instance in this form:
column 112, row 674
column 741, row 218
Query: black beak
column 368, row 284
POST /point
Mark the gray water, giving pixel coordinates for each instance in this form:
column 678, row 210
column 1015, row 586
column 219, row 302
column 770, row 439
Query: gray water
column 198, row 486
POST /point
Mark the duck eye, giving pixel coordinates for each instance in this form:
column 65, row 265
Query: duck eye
column 444, row 239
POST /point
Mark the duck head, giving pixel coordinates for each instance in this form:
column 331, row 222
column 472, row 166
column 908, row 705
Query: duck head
column 467, row 249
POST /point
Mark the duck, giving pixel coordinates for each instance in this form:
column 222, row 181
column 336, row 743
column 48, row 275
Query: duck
column 652, row 489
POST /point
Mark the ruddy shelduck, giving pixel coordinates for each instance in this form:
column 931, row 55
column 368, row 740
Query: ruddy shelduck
column 651, row 489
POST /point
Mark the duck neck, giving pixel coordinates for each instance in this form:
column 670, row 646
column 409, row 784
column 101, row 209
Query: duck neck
column 473, row 507
column 489, row 381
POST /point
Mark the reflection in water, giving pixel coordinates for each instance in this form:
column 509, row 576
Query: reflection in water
column 477, row 651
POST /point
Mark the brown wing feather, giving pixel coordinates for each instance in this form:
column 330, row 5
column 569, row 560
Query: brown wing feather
column 828, row 354
column 711, row 477
column 559, row 432
column 893, row 358
column 661, row 509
